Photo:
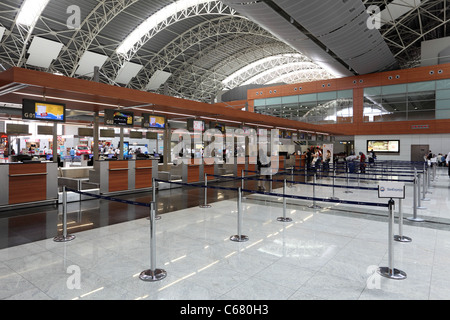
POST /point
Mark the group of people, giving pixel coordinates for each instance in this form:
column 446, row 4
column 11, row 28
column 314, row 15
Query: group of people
column 361, row 157
column 441, row 160
column 315, row 159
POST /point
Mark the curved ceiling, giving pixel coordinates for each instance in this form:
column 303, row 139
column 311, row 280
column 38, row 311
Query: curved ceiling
column 194, row 45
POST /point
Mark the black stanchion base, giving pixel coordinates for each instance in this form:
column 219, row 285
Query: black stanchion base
column 282, row 219
column 205, row 206
column 399, row 238
column 333, row 198
column 61, row 238
column 392, row 273
column 238, row 238
column 153, row 275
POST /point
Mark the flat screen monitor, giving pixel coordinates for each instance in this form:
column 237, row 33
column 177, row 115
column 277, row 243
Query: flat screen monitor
column 384, row 146
column 119, row 118
column 153, row 121
column 218, row 126
column 43, row 110
column 196, row 125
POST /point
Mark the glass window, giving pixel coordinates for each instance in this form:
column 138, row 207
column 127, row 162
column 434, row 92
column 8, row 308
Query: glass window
column 260, row 102
column 443, row 94
column 307, row 97
column 327, row 96
column 345, row 94
column 374, row 91
column 443, row 84
column 395, row 89
column 289, row 99
column 422, row 86
column 273, row 101
column 443, row 109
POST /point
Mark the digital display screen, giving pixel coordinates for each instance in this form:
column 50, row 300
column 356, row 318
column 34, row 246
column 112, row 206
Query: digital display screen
column 123, row 118
column 388, row 146
column 42, row 110
column 198, row 125
column 153, row 121
column 46, row 111
column 195, row 125
column 218, row 126
column 119, row 118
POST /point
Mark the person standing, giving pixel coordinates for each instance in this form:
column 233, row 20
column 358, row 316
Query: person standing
column 309, row 156
column 447, row 160
column 263, row 165
column 372, row 158
column 362, row 162
column 72, row 153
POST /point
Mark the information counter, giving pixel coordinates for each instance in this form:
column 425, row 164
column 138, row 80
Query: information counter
column 28, row 183
column 123, row 175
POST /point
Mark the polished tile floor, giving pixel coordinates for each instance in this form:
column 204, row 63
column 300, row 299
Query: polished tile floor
column 325, row 253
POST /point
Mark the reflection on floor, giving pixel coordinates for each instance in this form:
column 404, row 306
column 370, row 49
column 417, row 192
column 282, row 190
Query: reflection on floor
column 327, row 253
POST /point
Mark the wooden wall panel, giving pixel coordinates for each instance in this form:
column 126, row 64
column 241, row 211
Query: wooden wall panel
column 143, row 174
column 193, row 174
column 209, row 170
column 27, row 183
column 118, row 176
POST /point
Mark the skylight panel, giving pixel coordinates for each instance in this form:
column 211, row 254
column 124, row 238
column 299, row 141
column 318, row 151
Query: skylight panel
column 31, row 11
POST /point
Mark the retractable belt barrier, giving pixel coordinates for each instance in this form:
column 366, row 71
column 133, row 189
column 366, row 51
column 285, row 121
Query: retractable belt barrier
column 152, row 274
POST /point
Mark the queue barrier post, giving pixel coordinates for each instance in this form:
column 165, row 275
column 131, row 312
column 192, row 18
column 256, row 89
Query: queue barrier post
column 154, row 186
column 205, row 204
column 419, row 199
column 416, row 198
column 64, row 237
column 291, row 185
column 314, row 205
column 284, row 218
column 239, row 237
column 152, row 274
column 389, row 271
column 400, row 237
column 334, row 178
column 429, row 186
column 346, row 171
column 424, row 188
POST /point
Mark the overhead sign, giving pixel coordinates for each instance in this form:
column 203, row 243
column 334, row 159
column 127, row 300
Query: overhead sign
column 392, row 190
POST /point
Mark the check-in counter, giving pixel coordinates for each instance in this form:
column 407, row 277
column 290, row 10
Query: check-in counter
column 123, row 175
column 300, row 161
column 194, row 170
column 241, row 164
column 28, row 183
column 252, row 166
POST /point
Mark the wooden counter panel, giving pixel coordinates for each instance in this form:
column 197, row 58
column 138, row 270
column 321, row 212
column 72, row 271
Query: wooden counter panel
column 240, row 167
column 118, row 180
column 144, row 163
column 27, row 168
column 118, row 164
column 143, row 178
column 252, row 167
column 209, row 169
column 27, row 188
column 193, row 174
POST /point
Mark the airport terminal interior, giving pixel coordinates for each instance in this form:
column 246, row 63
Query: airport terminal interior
column 201, row 150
